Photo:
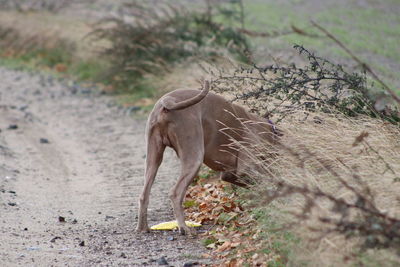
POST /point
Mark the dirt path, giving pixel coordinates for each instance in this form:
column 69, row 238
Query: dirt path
column 76, row 155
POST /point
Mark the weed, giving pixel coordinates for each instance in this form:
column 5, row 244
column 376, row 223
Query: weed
column 208, row 241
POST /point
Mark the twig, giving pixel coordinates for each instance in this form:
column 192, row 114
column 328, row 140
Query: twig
column 294, row 30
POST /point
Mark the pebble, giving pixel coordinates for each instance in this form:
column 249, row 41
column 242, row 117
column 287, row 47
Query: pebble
column 54, row 239
column 44, row 141
column 190, row 264
column 162, row 261
column 33, row 248
column 108, row 217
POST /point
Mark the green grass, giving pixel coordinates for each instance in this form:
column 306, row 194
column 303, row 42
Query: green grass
column 276, row 241
column 367, row 29
column 45, row 60
column 375, row 258
column 373, row 35
column 90, row 69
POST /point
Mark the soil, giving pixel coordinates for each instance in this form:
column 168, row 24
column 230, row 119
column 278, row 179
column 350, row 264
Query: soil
column 71, row 170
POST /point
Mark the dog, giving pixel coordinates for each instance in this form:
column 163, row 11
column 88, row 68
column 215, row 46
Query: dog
column 201, row 127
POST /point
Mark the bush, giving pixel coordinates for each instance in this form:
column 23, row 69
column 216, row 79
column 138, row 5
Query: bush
column 319, row 86
column 149, row 40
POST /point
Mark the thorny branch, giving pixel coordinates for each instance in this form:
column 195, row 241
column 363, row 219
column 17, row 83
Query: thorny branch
column 320, row 85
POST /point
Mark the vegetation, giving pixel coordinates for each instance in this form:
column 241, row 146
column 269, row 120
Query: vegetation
column 46, row 52
column 369, row 31
column 149, row 40
column 328, row 197
column 319, row 86
column 35, row 5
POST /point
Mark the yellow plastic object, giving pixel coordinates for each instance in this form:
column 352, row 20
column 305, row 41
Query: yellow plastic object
column 173, row 225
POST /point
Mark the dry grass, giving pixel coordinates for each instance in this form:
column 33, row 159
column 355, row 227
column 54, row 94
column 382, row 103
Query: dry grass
column 48, row 28
column 318, row 153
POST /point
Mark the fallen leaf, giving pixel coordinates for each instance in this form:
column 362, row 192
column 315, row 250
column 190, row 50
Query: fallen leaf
column 226, row 245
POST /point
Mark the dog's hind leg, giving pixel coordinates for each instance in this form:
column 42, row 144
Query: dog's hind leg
column 155, row 151
column 191, row 154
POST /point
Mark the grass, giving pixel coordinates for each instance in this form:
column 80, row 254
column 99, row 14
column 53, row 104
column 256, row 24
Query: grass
column 272, row 239
column 361, row 28
column 276, row 242
column 90, row 69
column 58, row 61
column 332, row 143
column 369, row 32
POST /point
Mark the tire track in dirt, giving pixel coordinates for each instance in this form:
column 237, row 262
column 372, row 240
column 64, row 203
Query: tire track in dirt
column 90, row 172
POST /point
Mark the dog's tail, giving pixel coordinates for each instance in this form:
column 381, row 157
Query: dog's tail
column 169, row 103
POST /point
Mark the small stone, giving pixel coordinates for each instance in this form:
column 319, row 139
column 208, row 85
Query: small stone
column 23, row 108
column 75, row 221
column 162, row 261
column 13, row 127
column 82, row 243
column 190, row 264
column 54, row 239
column 108, row 217
column 61, row 219
column 12, row 204
column 44, row 141
column 170, row 238
column 33, row 248
column 123, row 255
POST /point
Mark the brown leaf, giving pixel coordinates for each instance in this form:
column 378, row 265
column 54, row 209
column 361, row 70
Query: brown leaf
column 226, row 245
column 232, row 263
column 203, row 206
column 60, row 67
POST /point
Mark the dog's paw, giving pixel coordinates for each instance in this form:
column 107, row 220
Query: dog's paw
column 188, row 231
column 142, row 229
